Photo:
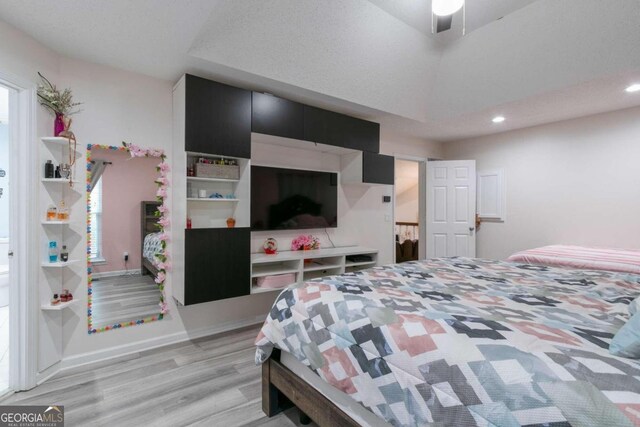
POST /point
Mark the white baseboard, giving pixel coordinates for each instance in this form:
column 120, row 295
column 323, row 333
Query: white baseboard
column 132, row 272
column 125, row 349
column 47, row 373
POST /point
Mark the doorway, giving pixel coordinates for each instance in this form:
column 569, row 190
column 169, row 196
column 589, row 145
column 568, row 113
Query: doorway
column 410, row 208
column 5, row 218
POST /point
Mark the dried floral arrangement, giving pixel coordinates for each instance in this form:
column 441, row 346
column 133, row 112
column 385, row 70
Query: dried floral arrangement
column 55, row 100
column 305, row 243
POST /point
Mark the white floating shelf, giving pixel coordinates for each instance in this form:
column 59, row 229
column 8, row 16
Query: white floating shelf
column 56, row 222
column 57, row 140
column 194, row 199
column 201, row 179
column 58, row 180
column 259, row 290
column 59, row 306
column 58, row 264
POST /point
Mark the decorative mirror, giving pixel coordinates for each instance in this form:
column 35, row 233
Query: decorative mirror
column 126, row 237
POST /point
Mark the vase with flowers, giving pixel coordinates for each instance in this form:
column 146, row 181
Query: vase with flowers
column 60, row 103
column 305, row 243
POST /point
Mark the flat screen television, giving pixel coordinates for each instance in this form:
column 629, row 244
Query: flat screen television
column 293, row 199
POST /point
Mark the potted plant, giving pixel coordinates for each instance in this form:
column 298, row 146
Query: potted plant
column 60, row 103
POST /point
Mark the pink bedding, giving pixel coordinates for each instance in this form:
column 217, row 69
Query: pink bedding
column 580, row 257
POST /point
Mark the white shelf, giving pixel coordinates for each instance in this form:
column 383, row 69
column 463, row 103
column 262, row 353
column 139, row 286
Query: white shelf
column 57, row 140
column 259, row 258
column 58, row 180
column 259, row 290
column 272, row 270
column 359, row 263
column 56, row 222
column 59, row 264
column 193, row 199
column 59, row 306
column 318, row 267
column 201, row 179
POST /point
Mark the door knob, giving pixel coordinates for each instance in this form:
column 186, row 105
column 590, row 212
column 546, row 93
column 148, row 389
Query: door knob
column 10, row 254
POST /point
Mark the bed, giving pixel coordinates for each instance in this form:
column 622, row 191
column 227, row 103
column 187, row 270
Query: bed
column 151, row 244
column 453, row 342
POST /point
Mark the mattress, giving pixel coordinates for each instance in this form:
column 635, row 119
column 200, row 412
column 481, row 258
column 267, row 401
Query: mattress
column 152, row 246
column 620, row 260
column 463, row 341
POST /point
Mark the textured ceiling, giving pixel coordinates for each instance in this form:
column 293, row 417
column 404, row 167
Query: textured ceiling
column 544, row 61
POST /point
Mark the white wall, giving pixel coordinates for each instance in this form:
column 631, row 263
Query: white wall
column 573, row 182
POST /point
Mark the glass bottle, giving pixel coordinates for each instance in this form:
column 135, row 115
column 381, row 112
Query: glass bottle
column 64, row 254
column 53, row 252
column 52, row 213
column 63, row 212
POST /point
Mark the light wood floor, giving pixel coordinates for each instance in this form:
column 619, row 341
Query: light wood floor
column 211, row 381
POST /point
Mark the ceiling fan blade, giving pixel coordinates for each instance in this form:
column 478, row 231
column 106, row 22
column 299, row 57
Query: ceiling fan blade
column 443, row 23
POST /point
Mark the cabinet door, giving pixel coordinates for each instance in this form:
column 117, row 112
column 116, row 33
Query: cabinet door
column 328, row 127
column 217, row 264
column 276, row 116
column 217, row 118
column 377, row 169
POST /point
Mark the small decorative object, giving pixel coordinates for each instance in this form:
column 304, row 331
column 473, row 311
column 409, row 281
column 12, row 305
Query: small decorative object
column 48, row 169
column 65, row 170
column 66, row 296
column 63, row 212
column 202, row 194
column 188, row 223
column 64, row 254
column 55, row 300
column 59, row 103
column 216, row 196
column 52, row 213
column 270, row 246
column 191, row 171
column 305, row 243
column 53, row 252
column 231, row 222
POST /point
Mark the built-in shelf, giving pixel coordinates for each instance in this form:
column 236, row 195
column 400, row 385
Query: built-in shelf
column 194, row 199
column 357, row 264
column 201, row 179
column 318, row 267
column 259, row 290
column 56, row 222
column 272, row 270
column 58, row 180
column 59, row 306
column 59, row 264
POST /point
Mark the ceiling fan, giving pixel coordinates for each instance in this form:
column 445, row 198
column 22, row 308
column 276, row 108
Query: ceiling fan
column 443, row 11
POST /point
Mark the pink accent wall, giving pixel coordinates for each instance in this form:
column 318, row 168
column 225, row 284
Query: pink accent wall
column 125, row 184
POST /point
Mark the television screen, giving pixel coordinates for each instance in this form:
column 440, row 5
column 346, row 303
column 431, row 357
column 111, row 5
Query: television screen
column 292, row 199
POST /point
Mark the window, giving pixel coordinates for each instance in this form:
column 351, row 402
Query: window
column 95, row 221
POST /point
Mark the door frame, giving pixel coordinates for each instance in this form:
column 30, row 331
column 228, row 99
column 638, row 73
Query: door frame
column 23, row 273
column 422, row 204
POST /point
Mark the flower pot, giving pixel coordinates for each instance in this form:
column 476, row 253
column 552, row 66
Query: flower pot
column 231, row 222
column 58, row 124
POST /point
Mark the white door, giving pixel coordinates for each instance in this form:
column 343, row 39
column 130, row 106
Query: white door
column 451, row 208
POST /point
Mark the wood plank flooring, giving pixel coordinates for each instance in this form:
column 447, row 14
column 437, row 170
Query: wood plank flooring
column 211, row 381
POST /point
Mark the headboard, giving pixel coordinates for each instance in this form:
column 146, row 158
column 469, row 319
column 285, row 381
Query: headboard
column 149, row 218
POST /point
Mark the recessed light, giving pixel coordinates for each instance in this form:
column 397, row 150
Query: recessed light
column 633, row 88
column 498, row 119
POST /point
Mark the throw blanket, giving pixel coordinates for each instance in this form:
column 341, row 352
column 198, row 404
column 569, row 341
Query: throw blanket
column 621, row 260
column 152, row 246
column 466, row 342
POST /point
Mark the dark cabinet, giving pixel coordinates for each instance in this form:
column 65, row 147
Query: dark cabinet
column 277, row 116
column 217, row 118
column 217, row 264
column 328, row 127
column 378, row 169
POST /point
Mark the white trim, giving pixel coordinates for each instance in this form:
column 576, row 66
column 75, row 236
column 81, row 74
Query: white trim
column 156, row 342
column 23, row 298
column 422, row 204
column 133, row 272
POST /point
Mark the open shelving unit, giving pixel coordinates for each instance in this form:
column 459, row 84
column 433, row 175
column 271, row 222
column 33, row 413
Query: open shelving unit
column 307, row 265
column 56, row 276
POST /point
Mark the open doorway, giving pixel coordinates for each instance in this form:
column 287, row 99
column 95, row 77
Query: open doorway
column 410, row 208
column 5, row 217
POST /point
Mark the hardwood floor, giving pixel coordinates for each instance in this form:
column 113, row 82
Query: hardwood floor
column 211, row 381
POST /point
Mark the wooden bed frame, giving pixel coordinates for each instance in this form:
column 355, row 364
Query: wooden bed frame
column 282, row 389
column 148, row 222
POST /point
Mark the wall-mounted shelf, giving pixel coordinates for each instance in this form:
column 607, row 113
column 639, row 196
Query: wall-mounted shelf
column 194, row 199
column 59, row 264
column 56, row 222
column 58, row 180
column 59, row 306
column 57, row 140
column 329, row 261
column 200, row 179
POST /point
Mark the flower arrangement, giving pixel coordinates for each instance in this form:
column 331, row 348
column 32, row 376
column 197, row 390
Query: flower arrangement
column 305, row 243
column 162, row 262
column 59, row 103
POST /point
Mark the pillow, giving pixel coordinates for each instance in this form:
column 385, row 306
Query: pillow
column 626, row 343
column 634, row 307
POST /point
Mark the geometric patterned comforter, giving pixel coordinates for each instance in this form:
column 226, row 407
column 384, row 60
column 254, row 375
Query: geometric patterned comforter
column 466, row 342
